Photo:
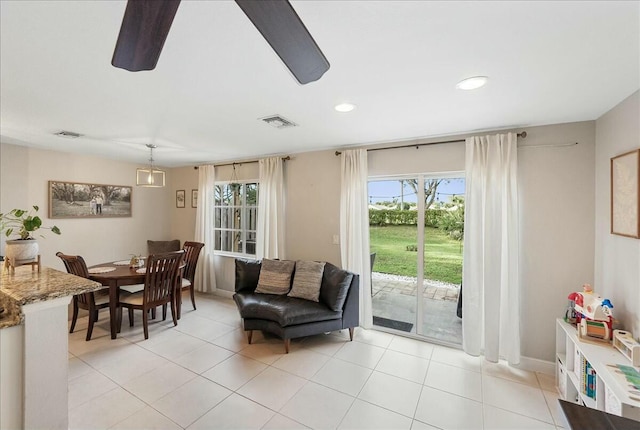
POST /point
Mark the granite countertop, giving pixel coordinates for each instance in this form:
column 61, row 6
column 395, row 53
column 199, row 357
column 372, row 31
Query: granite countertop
column 26, row 286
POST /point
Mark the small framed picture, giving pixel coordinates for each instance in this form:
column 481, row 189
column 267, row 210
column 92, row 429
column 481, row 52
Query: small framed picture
column 194, row 198
column 180, row 198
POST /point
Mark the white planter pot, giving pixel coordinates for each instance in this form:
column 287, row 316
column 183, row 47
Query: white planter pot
column 22, row 250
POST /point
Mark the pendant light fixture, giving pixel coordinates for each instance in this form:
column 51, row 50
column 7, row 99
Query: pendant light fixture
column 150, row 176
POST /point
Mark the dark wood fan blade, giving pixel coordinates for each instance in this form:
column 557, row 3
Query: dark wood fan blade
column 145, row 26
column 281, row 26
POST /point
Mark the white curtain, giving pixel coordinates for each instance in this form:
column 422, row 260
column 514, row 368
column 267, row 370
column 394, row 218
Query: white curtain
column 354, row 226
column 205, row 279
column 270, row 230
column 491, row 282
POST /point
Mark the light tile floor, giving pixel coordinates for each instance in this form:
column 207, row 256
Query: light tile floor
column 202, row 374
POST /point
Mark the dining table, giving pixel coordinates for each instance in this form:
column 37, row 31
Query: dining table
column 114, row 275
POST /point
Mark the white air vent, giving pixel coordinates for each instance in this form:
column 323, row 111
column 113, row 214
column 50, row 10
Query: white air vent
column 68, row 134
column 278, row 121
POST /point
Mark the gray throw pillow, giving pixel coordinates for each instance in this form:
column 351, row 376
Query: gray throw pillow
column 275, row 276
column 307, row 280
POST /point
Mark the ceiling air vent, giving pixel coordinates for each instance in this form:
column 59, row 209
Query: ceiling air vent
column 68, row 134
column 278, row 121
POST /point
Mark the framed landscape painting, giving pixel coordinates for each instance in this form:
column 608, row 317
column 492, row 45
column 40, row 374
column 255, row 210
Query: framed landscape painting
column 625, row 194
column 80, row 200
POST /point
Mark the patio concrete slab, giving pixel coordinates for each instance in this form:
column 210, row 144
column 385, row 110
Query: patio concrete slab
column 396, row 299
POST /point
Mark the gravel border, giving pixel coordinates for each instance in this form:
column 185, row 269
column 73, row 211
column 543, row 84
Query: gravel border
column 377, row 276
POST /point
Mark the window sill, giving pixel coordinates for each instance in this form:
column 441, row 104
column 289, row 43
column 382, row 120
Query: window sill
column 233, row 255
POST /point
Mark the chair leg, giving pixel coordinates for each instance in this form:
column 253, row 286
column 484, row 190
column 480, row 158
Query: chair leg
column 249, row 336
column 153, row 313
column 178, row 300
column 93, row 316
column 174, row 313
column 351, row 330
column 164, row 312
column 130, row 317
column 193, row 296
column 145, row 324
column 119, row 319
column 287, row 342
column 75, row 314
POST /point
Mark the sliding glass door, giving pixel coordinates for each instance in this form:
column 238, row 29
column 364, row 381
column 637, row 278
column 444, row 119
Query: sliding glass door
column 416, row 230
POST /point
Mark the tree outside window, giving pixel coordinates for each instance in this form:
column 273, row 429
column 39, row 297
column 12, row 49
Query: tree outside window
column 236, row 216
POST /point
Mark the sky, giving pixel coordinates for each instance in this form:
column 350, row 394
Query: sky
column 380, row 191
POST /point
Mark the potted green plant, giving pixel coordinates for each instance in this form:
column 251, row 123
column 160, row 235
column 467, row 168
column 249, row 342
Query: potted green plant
column 22, row 223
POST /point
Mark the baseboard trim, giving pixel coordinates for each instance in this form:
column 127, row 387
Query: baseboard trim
column 224, row 293
column 537, row 365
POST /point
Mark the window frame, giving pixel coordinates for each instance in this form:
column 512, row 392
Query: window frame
column 244, row 208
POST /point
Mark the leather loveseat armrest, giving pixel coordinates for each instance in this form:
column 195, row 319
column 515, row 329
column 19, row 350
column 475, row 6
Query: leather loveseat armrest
column 247, row 275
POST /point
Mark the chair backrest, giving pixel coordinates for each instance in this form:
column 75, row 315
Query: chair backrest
column 161, row 278
column 162, row 246
column 191, row 256
column 76, row 266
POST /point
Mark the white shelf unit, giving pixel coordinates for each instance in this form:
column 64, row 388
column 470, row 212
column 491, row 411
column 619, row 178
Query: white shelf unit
column 611, row 394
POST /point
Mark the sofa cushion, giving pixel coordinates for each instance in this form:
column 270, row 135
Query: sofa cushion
column 335, row 286
column 162, row 246
column 275, row 276
column 284, row 310
column 247, row 275
column 307, row 280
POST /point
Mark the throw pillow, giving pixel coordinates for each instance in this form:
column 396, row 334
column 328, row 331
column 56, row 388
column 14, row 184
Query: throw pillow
column 307, row 280
column 247, row 275
column 275, row 276
column 335, row 286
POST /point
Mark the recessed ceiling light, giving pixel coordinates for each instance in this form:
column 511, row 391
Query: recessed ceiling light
column 472, row 83
column 345, row 107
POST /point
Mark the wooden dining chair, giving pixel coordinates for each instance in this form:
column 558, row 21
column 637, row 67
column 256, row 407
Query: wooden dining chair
column 191, row 256
column 91, row 302
column 160, row 286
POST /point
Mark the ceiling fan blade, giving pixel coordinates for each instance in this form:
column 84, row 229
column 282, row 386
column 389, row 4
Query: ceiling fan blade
column 144, row 29
column 281, row 26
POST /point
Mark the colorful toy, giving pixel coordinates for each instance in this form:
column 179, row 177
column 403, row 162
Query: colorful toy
column 593, row 314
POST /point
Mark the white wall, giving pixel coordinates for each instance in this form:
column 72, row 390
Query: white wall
column 25, row 173
column 183, row 220
column 617, row 269
column 557, row 217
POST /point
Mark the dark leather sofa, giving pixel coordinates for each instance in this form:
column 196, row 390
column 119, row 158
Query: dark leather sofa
column 290, row 317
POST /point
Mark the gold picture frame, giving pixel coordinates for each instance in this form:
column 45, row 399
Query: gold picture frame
column 83, row 200
column 625, row 194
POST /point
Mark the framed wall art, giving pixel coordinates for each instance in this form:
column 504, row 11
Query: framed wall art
column 625, row 194
column 180, row 199
column 81, row 200
column 194, row 198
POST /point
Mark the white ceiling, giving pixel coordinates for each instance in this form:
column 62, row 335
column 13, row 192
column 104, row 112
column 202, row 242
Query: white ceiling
column 548, row 62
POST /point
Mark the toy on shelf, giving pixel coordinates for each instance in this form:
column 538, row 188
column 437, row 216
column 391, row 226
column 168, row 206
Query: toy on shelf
column 593, row 315
column 624, row 342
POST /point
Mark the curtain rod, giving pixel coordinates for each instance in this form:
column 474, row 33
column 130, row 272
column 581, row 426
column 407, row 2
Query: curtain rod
column 240, row 163
column 416, row 145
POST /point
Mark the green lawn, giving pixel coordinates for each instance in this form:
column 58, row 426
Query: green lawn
column 442, row 255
